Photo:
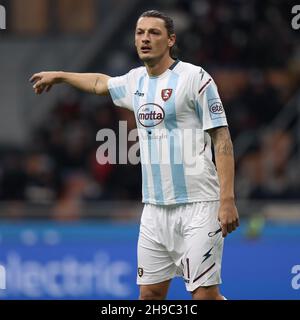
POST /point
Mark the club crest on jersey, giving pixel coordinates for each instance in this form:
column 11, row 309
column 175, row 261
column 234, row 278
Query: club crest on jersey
column 150, row 115
column 140, row 272
column 166, row 94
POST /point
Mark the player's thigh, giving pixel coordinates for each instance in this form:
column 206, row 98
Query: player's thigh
column 204, row 247
column 157, row 291
column 155, row 264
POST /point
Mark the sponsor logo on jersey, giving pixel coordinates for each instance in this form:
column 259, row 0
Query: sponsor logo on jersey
column 166, row 94
column 150, row 115
column 216, row 109
column 140, row 94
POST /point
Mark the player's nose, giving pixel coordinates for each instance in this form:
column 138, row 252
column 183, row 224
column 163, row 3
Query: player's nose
column 145, row 38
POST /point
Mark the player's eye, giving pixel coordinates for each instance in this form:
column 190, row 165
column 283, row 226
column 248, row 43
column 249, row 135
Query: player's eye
column 156, row 32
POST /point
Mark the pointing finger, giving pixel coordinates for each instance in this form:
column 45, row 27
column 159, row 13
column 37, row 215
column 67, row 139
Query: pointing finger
column 35, row 77
column 38, row 84
column 39, row 89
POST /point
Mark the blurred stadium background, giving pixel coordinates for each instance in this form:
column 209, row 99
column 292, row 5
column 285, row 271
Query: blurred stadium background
column 69, row 226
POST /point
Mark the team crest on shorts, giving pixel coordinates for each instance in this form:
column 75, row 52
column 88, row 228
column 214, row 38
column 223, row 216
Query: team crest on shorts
column 166, row 94
column 140, row 272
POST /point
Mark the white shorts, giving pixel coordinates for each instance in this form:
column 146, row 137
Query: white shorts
column 180, row 240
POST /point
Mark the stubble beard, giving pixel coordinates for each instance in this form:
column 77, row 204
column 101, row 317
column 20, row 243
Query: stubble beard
column 151, row 61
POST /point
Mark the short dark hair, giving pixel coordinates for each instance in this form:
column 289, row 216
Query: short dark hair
column 169, row 24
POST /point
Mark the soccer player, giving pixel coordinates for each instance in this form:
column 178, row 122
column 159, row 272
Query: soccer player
column 188, row 210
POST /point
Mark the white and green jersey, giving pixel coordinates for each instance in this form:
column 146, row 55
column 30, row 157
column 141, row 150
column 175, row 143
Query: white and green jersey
column 173, row 111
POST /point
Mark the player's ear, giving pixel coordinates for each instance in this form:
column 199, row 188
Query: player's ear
column 172, row 40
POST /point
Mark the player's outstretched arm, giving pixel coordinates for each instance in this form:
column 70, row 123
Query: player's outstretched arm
column 88, row 82
column 228, row 214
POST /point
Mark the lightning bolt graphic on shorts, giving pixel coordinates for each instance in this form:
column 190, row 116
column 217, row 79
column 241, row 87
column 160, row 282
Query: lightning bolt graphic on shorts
column 207, row 255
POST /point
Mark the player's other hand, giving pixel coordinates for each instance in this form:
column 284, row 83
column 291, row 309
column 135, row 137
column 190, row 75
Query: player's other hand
column 44, row 81
column 228, row 216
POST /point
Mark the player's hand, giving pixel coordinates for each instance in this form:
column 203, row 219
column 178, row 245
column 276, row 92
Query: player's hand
column 44, row 81
column 228, row 216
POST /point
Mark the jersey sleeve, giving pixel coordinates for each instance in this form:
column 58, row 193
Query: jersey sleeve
column 208, row 104
column 119, row 89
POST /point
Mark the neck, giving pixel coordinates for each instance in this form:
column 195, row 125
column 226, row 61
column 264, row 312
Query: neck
column 156, row 68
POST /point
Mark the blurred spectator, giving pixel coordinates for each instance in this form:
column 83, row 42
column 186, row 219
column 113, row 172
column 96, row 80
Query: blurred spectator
column 77, row 187
column 13, row 177
column 266, row 173
column 40, row 185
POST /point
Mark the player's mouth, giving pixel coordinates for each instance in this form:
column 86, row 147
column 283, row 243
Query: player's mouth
column 145, row 49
